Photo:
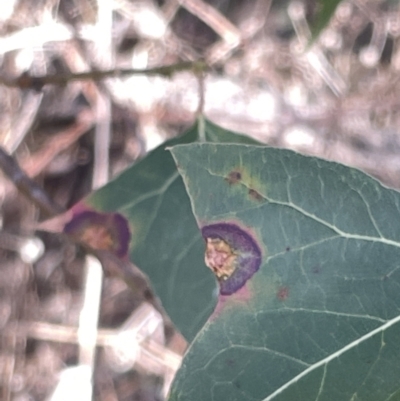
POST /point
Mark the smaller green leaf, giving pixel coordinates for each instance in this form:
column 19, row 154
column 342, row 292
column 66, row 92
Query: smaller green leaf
column 324, row 14
column 164, row 241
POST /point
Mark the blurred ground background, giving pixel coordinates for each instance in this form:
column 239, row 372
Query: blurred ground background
column 338, row 99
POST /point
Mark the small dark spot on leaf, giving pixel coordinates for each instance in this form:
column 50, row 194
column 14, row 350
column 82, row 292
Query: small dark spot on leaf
column 233, row 177
column 255, row 195
column 287, row 248
column 230, row 362
column 237, row 384
column 316, row 269
column 283, row 293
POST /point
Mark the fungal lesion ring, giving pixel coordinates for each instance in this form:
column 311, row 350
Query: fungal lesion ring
column 232, row 254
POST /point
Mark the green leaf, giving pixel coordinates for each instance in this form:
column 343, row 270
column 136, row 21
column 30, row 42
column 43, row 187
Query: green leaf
column 320, row 319
column 325, row 13
column 166, row 243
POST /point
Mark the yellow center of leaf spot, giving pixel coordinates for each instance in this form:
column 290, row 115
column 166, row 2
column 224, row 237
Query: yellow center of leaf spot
column 220, row 258
column 97, row 237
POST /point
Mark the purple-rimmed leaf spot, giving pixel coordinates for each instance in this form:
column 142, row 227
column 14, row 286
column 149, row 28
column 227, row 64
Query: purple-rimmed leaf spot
column 232, row 254
column 101, row 231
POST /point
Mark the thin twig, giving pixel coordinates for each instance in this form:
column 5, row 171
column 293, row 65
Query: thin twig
column 89, row 314
column 23, row 121
column 37, row 162
column 27, row 81
column 63, row 334
column 133, row 277
column 202, row 88
column 102, row 141
column 214, row 19
column 28, row 187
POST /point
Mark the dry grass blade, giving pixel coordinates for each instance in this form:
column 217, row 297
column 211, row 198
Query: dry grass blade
column 213, row 18
column 35, row 163
column 28, row 187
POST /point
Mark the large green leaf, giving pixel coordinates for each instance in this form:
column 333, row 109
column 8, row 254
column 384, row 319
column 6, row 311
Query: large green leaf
column 320, row 319
column 166, row 243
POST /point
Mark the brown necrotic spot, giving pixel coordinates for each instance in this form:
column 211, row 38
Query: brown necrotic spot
column 232, row 254
column 255, row 195
column 100, row 231
column 220, row 258
column 234, row 177
column 283, row 293
column 316, row 269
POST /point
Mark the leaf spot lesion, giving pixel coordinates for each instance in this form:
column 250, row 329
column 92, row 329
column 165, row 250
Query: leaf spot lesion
column 232, row 254
column 283, row 294
column 329, row 224
column 233, row 177
column 236, row 177
column 220, row 258
column 255, row 195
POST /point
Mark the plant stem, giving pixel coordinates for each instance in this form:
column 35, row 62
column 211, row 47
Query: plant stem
column 26, row 81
